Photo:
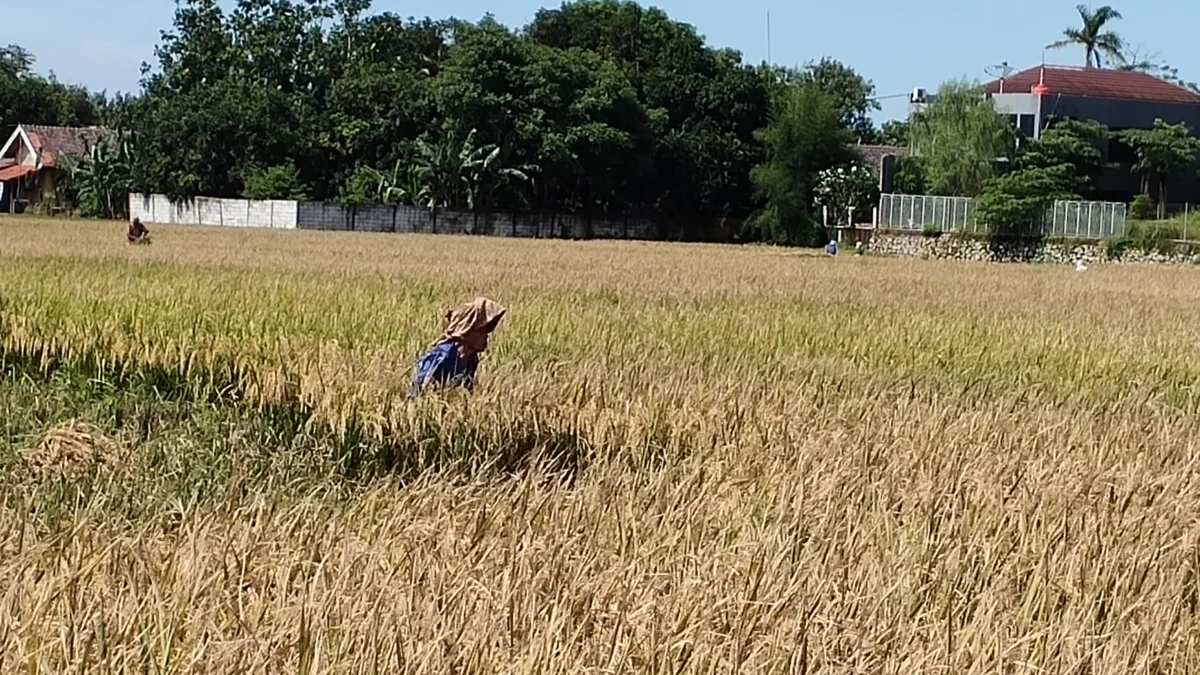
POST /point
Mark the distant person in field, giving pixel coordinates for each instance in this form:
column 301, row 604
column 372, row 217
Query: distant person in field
column 453, row 360
column 137, row 232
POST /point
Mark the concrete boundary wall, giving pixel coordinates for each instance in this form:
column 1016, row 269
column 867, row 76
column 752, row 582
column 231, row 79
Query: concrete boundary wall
column 210, row 211
column 290, row 215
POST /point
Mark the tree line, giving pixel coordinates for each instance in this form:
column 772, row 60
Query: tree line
column 597, row 106
column 30, row 98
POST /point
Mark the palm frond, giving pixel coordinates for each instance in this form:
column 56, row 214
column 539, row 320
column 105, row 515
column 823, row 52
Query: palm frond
column 1112, row 46
column 1071, row 37
column 514, row 173
column 1105, row 14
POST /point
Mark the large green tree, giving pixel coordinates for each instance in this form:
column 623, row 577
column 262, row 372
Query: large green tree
column 1163, row 151
column 804, row 138
column 1064, row 163
column 962, row 140
column 1076, row 146
column 702, row 105
column 1015, row 203
column 852, row 94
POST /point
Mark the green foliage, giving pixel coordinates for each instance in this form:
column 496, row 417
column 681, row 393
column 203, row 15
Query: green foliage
column 1142, row 208
column 360, row 189
column 852, row 95
column 960, row 138
column 1073, row 144
column 1063, row 164
column 1162, row 151
column 895, row 133
column 99, row 183
column 1015, row 204
column 447, row 173
column 26, row 97
column 599, row 106
column 440, row 168
column 804, row 138
column 1147, row 237
column 277, row 182
column 910, row 176
column 371, row 186
column 1098, row 44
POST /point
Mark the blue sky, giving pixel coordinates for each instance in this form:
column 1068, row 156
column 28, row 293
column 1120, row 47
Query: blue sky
column 897, row 44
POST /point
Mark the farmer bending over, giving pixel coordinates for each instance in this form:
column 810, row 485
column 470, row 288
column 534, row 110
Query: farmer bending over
column 137, row 231
column 453, row 359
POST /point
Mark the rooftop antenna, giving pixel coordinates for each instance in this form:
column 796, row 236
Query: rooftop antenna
column 1000, row 71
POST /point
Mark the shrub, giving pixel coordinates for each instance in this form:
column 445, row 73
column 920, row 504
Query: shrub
column 1015, row 204
column 277, row 182
column 1142, row 208
column 1148, row 237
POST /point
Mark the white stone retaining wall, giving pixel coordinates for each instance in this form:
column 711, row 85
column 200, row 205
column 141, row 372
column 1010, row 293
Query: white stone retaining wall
column 952, row 247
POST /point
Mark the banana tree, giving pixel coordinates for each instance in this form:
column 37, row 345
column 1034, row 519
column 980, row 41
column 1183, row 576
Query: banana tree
column 452, row 173
column 438, row 169
column 398, row 187
column 485, row 171
column 102, row 179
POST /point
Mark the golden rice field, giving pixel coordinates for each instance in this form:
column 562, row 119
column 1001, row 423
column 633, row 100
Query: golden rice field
column 681, row 459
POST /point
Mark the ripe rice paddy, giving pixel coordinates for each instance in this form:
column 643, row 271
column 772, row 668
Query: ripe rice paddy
column 682, row 458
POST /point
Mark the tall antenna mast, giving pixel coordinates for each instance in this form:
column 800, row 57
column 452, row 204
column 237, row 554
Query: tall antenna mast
column 768, row 36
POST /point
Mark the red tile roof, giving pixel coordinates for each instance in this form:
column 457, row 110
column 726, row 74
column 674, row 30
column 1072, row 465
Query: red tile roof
column 54, row 141
column 1120, row 85
column 16, row 171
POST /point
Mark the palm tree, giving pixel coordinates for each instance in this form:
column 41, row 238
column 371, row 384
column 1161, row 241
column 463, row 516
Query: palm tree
column 1093, row 38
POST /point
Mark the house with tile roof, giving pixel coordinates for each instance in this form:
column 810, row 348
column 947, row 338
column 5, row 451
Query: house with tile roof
column 31, row 162
column 1035, row 98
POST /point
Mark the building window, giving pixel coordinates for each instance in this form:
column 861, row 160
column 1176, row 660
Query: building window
column 1025, row 124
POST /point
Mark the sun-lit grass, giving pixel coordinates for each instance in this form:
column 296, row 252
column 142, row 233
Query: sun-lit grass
column 778, row 462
